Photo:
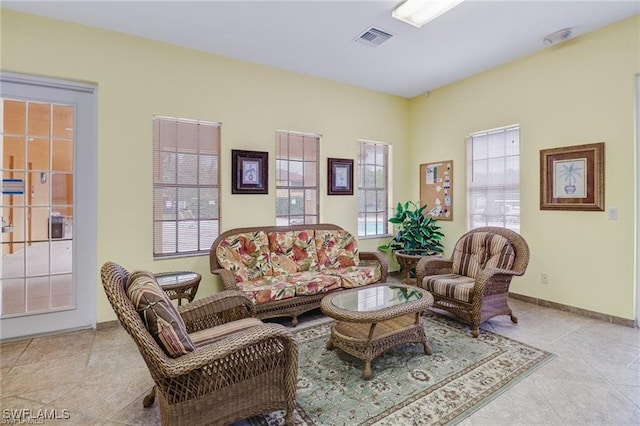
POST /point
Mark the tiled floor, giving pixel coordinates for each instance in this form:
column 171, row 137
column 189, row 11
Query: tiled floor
column 99, row 378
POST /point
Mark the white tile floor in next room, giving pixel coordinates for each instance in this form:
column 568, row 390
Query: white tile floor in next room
column 100, row 377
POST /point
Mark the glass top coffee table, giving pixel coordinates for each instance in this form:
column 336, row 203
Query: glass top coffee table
column 373, row 319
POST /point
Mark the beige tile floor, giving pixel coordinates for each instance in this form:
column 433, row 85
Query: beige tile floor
column 100, row 378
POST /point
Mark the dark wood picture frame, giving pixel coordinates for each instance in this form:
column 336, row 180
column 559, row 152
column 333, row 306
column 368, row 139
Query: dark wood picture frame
column 250, row 172
column 340, row 173
column 572, row 178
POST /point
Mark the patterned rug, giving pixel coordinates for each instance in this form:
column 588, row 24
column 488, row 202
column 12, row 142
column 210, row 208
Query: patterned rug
column 407, row 387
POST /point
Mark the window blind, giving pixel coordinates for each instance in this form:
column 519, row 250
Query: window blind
column 186, row 186
column 493, row 178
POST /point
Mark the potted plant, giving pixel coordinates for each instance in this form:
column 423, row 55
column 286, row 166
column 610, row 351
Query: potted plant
column 416, row 235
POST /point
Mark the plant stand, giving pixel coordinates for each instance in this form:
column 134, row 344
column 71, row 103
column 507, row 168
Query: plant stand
column 408, row 259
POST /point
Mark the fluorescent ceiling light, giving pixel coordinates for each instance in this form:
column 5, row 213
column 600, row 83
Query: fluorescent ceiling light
column 419, row 12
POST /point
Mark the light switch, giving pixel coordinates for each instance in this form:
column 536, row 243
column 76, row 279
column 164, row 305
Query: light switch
column 612, row 213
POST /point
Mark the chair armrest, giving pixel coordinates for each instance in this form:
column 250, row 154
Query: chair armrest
column 432, row 265
column 219, row 308
column 235, row 345
column 493, row 277
column 379, row 257
column 228, row 278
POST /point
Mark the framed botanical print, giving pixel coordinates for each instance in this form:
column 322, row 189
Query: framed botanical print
column 572, row 178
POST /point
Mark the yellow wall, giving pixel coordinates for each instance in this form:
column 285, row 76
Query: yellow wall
column 581, row 91
column 578, row 92
column 138, row 78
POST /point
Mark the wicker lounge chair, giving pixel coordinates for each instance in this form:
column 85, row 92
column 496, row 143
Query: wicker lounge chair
column 474, row 283
column 241, row 374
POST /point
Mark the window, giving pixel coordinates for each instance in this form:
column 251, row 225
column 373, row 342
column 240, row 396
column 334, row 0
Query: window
column 373, row 189
column 186, row 186
column 493, row 172
column 297, row 177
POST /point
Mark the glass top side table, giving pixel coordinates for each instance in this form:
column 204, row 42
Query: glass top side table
column 180, row 284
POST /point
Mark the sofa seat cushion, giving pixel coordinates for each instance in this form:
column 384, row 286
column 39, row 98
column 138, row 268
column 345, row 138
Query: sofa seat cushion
column 267, row 289
column 293, row 251
column 356, row 276
column 453, row 286
column 311, row 282
column 159, row 315
column 213, row 334
column 336, row 249
column 246, row 255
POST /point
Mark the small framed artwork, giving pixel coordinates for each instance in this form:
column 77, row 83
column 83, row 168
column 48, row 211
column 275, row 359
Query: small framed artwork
column 340, row 176
column 572, row 178
column 250, row 172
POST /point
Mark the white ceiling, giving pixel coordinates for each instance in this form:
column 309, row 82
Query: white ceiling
column 316, row 37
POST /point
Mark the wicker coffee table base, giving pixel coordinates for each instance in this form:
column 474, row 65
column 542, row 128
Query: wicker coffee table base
column 367, row 341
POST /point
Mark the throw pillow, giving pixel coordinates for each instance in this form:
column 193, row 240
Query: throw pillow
column 159, row 315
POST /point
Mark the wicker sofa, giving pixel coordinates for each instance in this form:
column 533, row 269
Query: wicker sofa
column 287, row 270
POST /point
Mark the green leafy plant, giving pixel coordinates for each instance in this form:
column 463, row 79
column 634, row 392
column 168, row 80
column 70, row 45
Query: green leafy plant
column 414, row 230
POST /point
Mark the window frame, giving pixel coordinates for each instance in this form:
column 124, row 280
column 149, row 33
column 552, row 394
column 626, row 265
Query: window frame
column 381, row 212
column 509, row 213
column 204, row 183
column 309, row 204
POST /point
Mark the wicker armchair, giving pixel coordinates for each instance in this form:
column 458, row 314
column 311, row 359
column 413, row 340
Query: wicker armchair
column 474, row 284
column 244, row 373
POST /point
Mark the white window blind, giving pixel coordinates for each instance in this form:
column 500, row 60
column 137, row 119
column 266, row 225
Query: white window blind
column 186, row 186
column 297, row 178
column 373, row 189
column 493, row 173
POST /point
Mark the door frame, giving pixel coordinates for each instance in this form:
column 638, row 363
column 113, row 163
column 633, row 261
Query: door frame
column 85, row 205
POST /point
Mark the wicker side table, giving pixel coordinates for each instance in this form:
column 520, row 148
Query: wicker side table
column 179, row 285
column 374, row 319
column 408, row 259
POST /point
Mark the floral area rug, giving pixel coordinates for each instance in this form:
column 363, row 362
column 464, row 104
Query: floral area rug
column 407, row 387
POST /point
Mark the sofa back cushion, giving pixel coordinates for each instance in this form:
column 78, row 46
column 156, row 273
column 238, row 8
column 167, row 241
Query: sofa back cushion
column 469, row 254
column 159, row 315
column 481, row 250
column 500, row 252
column 246, row 255
column 336, row 249
column 293, row 251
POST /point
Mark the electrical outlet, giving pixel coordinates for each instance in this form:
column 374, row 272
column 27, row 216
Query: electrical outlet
column 544, row 278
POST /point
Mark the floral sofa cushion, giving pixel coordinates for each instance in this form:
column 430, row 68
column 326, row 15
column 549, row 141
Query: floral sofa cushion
column 313, row 282
column 246, row 255
column 267, row 289
column 356, row 276
column 336, row 249
column 292, row 251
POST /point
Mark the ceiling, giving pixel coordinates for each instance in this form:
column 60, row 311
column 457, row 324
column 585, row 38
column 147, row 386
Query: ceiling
column 317, row 37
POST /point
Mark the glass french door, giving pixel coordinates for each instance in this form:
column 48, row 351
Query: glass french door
column 48, row 136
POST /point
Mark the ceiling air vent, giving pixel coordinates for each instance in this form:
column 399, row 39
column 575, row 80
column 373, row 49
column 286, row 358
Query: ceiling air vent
column 373, row 37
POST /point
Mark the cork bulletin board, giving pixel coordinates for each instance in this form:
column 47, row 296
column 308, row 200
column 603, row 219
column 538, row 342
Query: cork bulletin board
column 436, row 189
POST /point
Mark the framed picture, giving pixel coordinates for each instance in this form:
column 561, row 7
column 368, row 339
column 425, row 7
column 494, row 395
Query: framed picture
column 572, row 178
column 340, row 176
column 250, row 172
